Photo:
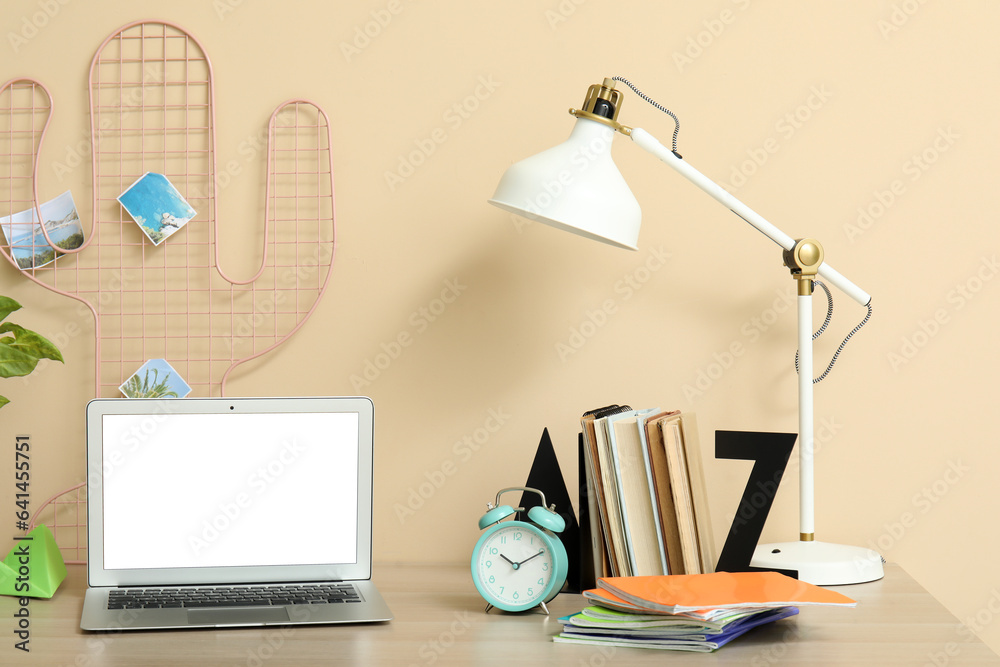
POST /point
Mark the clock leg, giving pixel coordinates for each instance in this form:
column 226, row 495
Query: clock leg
column 544, row 608
column 488, row 607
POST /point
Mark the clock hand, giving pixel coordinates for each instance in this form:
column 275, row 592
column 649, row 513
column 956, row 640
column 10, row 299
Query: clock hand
column 540, row 552
column 513, row 564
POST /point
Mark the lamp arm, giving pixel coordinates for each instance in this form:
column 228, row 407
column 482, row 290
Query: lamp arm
column 650, row 144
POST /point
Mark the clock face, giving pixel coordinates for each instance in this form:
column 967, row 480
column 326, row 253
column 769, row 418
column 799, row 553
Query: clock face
column 516, row 565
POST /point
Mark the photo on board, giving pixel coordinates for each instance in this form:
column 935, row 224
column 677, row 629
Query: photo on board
column 157, row 206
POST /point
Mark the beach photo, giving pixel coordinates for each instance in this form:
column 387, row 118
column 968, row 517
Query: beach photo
column 156, row 205
column 155, row 379
column 26, row 239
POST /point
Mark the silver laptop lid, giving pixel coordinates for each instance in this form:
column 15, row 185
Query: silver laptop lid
column 229, row 490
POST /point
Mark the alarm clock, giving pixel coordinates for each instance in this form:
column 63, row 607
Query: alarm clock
column 519, row 565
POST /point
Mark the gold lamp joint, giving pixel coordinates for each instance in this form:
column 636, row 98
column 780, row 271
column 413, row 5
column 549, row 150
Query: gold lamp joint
column 804, row 260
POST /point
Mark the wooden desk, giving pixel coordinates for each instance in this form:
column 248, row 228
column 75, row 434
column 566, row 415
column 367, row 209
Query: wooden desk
column 440, row 621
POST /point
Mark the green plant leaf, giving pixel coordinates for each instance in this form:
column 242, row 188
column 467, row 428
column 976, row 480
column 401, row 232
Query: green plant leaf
column 14, row 362
column 30, row 342
column 7, row 306
column 4, row 401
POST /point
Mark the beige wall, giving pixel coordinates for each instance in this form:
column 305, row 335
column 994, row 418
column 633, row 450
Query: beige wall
column 851, row 103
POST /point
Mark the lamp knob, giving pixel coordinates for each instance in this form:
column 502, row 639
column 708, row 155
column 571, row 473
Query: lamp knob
column 805, row 257
column 810, row 253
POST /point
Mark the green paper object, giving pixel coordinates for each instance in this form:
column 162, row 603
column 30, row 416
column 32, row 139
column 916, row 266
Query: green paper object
column 34, row 568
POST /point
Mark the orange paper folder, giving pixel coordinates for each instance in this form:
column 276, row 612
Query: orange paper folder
column 679, row 593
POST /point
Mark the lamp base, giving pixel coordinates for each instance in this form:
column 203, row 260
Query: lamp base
column 821, row 563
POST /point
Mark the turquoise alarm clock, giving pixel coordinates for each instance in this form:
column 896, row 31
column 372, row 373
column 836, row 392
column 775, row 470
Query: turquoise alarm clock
column 519, row 565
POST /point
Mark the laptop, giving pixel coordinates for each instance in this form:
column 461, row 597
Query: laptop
column 224, row 512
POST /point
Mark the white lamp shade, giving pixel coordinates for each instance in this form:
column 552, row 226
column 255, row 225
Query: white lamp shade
column 575, row 186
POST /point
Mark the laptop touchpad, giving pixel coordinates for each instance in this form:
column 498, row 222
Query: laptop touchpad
column 238, row 616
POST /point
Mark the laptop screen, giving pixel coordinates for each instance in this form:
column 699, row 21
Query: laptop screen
column 272, row 487
column 212, row 490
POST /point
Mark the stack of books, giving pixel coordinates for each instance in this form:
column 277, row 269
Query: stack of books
column 700, row 612
column 646, row 502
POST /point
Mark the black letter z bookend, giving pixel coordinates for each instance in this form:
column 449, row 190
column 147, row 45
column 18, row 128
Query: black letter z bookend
column 769, row 452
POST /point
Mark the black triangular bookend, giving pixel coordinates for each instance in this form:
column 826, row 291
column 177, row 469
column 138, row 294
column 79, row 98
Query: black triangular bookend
column 546, row 476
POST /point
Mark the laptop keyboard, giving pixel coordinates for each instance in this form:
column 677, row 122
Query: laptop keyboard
column 231, row 596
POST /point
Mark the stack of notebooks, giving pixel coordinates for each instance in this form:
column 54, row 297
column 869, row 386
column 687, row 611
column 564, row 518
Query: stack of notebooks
column 700, row 612
column 646, row 501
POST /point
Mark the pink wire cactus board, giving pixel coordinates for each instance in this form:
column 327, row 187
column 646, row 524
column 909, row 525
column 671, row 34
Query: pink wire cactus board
column 153, row 111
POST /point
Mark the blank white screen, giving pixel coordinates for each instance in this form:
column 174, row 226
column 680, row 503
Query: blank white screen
column 212, row 490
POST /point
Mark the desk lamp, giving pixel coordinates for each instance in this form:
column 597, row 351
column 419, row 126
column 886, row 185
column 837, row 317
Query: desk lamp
column 576, row 186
